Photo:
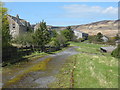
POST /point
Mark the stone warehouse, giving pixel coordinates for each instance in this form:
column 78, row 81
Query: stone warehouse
column 17, row 26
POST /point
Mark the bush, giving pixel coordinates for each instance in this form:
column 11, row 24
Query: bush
column 99, row 37
column 92, row 38
column 61, row 40
column 68, row 33
column 116, row 52
column 54, row 43
column 24, row 39
column 41, row 36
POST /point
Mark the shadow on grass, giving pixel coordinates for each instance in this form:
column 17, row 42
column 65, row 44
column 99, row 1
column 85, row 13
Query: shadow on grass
column 12, row 55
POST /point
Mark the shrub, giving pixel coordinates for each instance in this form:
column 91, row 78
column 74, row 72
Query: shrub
column 54, row 43
column 41, row 36
column 24, row 39
column 68, row 33
column 92, row 38
column 99, row 37
column 116, row 52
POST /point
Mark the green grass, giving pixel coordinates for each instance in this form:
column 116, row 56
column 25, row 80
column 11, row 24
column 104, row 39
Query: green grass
column 64, row 76
column 88, row 48
column 93, row 69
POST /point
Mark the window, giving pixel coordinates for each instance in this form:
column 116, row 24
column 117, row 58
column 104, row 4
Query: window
column 13, row 25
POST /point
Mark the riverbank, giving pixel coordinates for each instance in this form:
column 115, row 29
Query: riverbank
column 88, row 69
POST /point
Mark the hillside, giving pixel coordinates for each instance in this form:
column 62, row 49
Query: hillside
column 107, row 27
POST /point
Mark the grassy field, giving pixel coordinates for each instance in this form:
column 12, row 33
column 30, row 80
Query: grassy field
column 88, row 69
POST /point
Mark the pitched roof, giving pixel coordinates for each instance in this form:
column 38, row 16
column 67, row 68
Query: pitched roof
column 19, row 21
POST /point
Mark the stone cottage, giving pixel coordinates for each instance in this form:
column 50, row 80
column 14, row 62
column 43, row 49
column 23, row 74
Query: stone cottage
column 80, row 34
column 17, row 26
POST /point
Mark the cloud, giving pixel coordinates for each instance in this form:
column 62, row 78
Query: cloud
column 77, row 10
column 111, row 10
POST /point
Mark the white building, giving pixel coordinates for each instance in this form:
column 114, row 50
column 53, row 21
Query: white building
column 80, row 34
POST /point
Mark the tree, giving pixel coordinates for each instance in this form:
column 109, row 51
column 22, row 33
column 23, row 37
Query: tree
column 117, row 37
column 69, row 28
column 6, row 37
column 54, row 33
column 24, row 39
column 54, row 42
column 41, row 36
column 29, row 29
column 116, row 52
column 99, row 37
column 68, row 33
column 61, row 40
column 92, row 38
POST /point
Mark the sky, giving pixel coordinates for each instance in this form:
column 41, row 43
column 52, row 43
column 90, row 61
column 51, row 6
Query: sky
column 64, row 13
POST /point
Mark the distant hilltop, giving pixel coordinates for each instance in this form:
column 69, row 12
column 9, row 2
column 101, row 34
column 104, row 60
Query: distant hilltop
column 106, row 27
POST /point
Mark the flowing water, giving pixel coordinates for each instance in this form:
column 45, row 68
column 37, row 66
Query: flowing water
column 41, row 79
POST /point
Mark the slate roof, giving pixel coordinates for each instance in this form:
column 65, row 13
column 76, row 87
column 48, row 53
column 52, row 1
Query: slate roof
column 19, row 21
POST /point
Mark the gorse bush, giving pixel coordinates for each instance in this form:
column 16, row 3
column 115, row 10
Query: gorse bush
column 116, row 52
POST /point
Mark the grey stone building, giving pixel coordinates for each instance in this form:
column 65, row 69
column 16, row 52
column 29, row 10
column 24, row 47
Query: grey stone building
column 17, row 26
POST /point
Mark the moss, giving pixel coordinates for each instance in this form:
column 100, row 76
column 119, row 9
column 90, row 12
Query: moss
column 39, row 66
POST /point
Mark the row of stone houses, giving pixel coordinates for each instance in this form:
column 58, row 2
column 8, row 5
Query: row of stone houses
column 17, row 26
